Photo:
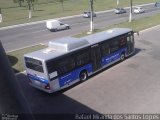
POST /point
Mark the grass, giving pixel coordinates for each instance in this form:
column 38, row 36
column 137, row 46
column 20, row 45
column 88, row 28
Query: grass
column 136, row 25
column 13, row 14
column 16, row 57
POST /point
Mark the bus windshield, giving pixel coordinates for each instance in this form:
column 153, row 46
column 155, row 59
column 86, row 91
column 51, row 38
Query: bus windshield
column 34, row 64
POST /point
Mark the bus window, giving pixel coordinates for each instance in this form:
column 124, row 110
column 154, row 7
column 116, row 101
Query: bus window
column 105, row 49
column 65, row 66
column 51, row 65
column 122, row 42
column 34, row 64
column 114, row 46
column 83, row 58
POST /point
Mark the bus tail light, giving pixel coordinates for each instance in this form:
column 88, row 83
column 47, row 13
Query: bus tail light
column 47, row 87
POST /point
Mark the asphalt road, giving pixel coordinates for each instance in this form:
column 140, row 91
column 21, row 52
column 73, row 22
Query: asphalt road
column 132, row 86
column 19, row 37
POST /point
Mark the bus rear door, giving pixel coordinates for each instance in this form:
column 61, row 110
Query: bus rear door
column 96, row 57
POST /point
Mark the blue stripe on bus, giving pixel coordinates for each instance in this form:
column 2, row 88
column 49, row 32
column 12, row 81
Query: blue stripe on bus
column 32, row 77
column 112, row 57
column 74, row 75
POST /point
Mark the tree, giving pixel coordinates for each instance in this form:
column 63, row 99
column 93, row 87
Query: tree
column 19, row 1
column 30, row 7
column 62, row 4
column 1, row 19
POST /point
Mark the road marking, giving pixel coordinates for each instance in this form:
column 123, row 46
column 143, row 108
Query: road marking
column 149, row 28
column 62, row 18
column 24, row 47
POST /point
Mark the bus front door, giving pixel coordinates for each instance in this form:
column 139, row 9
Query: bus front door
column 130, row 44
column 96, row 57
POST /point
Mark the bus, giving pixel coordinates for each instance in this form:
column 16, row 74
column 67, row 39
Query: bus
column 69, row 60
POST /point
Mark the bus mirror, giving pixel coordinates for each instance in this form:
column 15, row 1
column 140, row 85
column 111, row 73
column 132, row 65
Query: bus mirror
column 137, row 32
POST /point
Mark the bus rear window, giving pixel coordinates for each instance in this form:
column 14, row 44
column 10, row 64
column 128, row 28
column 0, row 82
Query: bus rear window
column 34, row 64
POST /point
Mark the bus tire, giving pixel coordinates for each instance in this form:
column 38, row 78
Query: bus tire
column 83, row 75
column 122, row 57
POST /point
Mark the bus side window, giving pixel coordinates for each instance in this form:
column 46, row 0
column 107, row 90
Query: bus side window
column 83, row 58
column 65, row 66
column 105, row 49
column 51, row 66
column 122, row 42
column 114, row 45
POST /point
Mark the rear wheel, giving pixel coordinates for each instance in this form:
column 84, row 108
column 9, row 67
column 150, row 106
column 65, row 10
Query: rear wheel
column 83, row 76
column 122, row 57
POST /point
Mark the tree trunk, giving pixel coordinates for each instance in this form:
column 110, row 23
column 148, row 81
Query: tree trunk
column 20, row 3
column 1, row 18
column 30, row 10
column 62, row 4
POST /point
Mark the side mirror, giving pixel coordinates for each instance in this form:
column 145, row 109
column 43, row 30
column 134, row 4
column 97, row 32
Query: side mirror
column 137, row 32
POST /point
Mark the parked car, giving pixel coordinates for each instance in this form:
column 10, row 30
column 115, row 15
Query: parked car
column 157, row 4
column 87, row 14
column 55, row 25
column 138, row 10
column 120, row 10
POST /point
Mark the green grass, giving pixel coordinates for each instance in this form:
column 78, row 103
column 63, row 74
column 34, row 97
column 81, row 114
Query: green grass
column 12, row 14
column 136, row 25
column 16, row 57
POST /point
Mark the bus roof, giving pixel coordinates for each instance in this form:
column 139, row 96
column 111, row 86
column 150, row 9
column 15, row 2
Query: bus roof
column 106, row 35
column 65, row 45
column 58, row 47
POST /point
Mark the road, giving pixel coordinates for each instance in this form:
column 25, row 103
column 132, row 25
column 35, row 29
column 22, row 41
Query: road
column 132, row 86
column 19, row 37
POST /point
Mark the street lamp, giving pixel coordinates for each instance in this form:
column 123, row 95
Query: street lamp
column 130, row 14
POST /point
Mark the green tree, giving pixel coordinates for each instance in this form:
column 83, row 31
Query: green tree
column 19, row 1
column 30, row 4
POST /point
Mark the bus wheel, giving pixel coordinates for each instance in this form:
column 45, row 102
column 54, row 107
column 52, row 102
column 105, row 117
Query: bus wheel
column 83, row 76
column 122, row 57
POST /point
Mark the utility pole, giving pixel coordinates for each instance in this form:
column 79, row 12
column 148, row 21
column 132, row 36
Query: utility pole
column 130, row 14
column 91, row 22
column 117, row 2
column 1, row 19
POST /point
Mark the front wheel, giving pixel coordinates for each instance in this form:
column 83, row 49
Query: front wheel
column 83, row 76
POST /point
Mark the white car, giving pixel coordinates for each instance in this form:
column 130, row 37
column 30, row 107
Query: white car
column 120, row 10
column 55, row 25
column 138, row 10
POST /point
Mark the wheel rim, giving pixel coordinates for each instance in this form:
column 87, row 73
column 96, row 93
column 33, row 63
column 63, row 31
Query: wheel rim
column 122, row 57
column 83, row 76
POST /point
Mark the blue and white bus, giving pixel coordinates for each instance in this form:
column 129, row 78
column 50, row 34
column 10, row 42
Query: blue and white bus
column 69, row 60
